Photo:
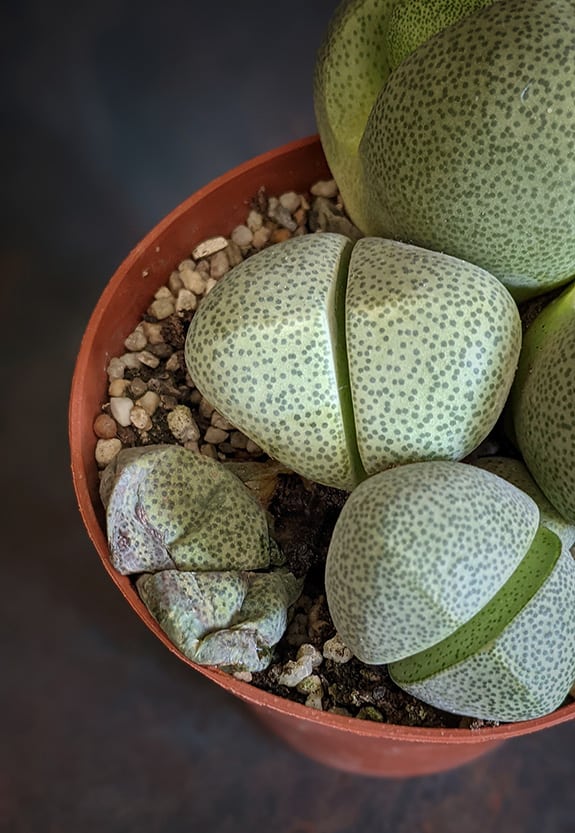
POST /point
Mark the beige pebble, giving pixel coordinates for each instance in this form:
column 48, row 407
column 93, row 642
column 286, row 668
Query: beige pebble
column 324, row 188
column 173, row 363
column 209, row 451
column 195, row 396
column 253, row 448
column 153, row 332
column 310, row 685
column 203, row 267
column 254, row 221
column 105, row 427
column 291, row 201
column 192, row 445
column 314, row 701
column 219, row 421
column 163, row 293
column 294, row 672
column 261, row 237
column 182, row 424
column 187, row 263
column 214, row 436
column 118, row 387
column 186, row 300
column 209, row 247
column 336, row 650
column 234, row 253
column 106, row 450
column 115, row 369
column 300, row 216
column 205, row 408
column 130, row 361
column 150, row 402
column 140, row 418
column 242, row 236
column 162, row 308
column 308, row 650
column 148, row 359
column 219, row 265
column 244, row 676
column 120, row 408
column 136, row 341
column 175, row 282
column 210, row 283
column 193, row 280
column 238, row 440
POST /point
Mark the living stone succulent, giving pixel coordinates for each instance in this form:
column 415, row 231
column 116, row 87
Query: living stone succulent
column 445, row 571
column 208, row 568
column 543, row 402
column 462, row 141
column 341, row 360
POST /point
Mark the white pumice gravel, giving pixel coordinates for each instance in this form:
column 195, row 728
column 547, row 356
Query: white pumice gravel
column 209, row 247
column 121, row 408
column 336, row 650
column 325, row 188
column 294, row 671
column 106, row 450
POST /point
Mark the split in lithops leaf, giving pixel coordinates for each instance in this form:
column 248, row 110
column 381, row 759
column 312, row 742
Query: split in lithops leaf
column 228, row 619
column 517, row 473
column 171, row 508
column 342, row 359
column 468, row 147
column 542, row 402
column 443, row 570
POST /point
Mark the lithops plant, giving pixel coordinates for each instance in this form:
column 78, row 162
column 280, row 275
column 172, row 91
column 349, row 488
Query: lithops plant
column 444, row 571
column 342, row 359
column 543, row 402
column 468, row 144
column 208, row 568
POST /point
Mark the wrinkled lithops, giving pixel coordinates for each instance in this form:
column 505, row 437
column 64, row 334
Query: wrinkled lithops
column 468, row 146
column 229, row 619
column 342, row 359
column 516, row 472
column 444, row 571
column 198, row 536
column 173, row 509
column 543, row 402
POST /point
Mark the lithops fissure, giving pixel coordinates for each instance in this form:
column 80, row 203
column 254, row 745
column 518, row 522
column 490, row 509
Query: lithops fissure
column 342, row 359
column 543, row 402
column 470, row 145
column 444, row 571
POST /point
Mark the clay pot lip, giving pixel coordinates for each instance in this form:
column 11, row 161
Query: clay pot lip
column 81, row 421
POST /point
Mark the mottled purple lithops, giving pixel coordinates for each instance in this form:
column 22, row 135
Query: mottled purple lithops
column 342, row 359
column 445, row 572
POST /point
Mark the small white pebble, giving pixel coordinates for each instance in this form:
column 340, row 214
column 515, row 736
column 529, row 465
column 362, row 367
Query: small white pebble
column 187, row 263
column 336, row 650
column 210, row 283
column 118, row 387
column 324, row 188
column 193, row 280
column 130, row 361
column 294, row 672
column 308, row 650
column 291, row 201
column 215, row 436
column 136, row 341
column 242, row 236
column 261, row 237
column 148, row 359
column 254, row 221
column 175, row 282
column 140, row 418
column 149, row 402
column 163, row 293
column 121, row 408
column 186, row 300
column 153, row 332
column 182, row 424
column 106, row 450
column 209, row 247
column 162, row 308
column 219, row 265
column 115, row 369
column 244, row 676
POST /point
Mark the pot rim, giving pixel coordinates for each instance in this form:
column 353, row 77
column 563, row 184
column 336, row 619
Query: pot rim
column 80, row 419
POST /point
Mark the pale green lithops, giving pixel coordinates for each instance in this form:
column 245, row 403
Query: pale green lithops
column 444, row 571
column 543, row 402
column 469, row 147
column 340, row 361
column 200, row 542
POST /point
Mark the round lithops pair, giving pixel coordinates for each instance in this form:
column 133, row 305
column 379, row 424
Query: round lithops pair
column 467, row 146
column 445, row 572
column 208, row 569
column 543, row 402
column 342, row 359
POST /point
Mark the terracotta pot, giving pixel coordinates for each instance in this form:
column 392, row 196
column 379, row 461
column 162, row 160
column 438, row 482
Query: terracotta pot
column 346, row 743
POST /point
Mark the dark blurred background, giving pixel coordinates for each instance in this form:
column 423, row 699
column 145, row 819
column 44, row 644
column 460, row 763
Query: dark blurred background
column 111, row 114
